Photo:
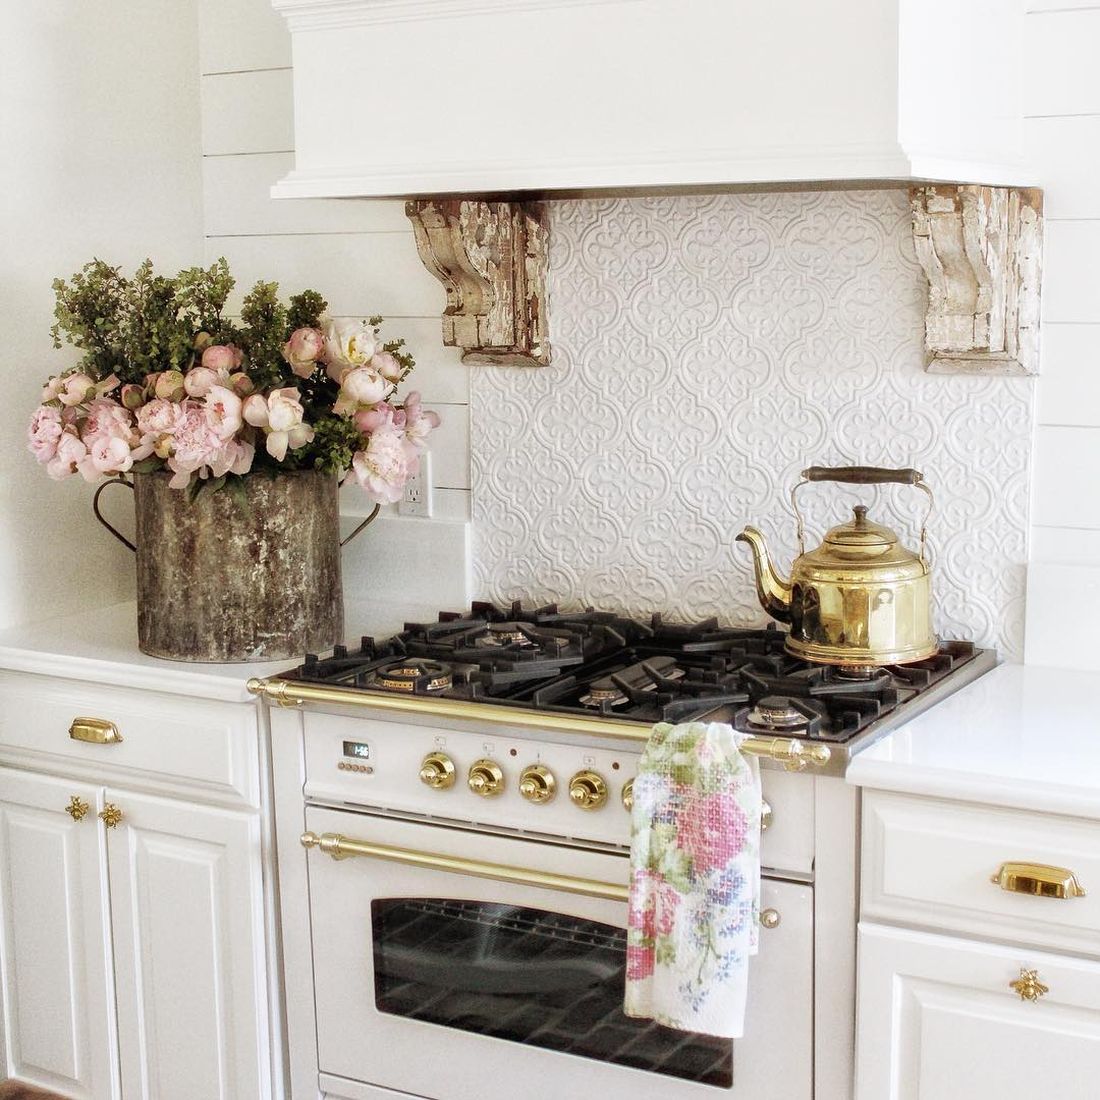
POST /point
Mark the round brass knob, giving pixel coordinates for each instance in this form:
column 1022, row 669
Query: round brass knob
column 628, row 795
column 437, row 770
column 769, row 918
column 588, row 790
column 765, row 814
column 485, row 778
column 537, row 783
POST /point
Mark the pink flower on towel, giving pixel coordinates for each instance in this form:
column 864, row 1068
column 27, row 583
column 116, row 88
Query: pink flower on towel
column 712, row 831
column 642, row 915
column 639, row 962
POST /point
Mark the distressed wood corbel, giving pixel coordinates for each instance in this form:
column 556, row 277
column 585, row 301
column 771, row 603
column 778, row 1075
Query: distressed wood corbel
column 981, row 249
column 491, row 258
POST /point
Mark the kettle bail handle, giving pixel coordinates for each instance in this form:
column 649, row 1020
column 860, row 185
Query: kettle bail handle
column 864, row 475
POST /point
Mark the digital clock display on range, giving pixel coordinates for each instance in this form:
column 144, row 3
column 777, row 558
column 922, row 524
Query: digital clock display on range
column 359, row 749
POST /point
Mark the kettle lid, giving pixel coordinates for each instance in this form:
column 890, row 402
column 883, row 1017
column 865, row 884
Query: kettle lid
column 860, row 535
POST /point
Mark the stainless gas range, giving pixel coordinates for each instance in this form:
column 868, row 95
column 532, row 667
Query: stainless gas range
column 470, row 779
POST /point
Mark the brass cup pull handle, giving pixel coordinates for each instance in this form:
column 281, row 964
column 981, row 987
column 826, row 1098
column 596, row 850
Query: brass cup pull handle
column 1028, row 986
column 94, row 731
column 1040, row 880
column 77, row 808
column 110, row 815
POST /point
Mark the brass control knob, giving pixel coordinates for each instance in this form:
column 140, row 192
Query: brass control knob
column 437, row 770
column 537, row 783
column 587, row 790
column 628, row 795
column 485, row 778
column 769, row 918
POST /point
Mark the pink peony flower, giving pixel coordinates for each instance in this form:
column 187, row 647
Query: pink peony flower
column 159, row 417
column 361, row 386
column 281, row 415
column 70, row 451
column 107, row 455
column 712, row 830
column 169, row 386
column 233, row 457
column 372, row 420
column 199, row 380
column 387, row 366
column 303, row 349
column 75, row 389
column 222, row 357
column 44, row 432
column 348, row 344
column 419, row 422
column 382, row 468
column 193, row 444
column 223, row 409
column 107, row 417
column 133, row 397
column 51, row 391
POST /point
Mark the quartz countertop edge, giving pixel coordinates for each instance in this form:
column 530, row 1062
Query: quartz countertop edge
column 1021, row 736
column 102, row 646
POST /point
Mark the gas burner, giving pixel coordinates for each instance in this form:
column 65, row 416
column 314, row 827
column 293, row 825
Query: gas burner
column 863, row 673
column 414, row 677
column 777, row 712
column 502, row 635
column 616, row 690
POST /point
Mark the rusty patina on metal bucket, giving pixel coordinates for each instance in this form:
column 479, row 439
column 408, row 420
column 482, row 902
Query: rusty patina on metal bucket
column 219, row 581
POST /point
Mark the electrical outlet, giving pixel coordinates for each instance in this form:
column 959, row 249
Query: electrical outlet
column 417, row 500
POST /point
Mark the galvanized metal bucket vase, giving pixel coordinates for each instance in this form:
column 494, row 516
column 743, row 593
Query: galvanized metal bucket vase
column 219, row 579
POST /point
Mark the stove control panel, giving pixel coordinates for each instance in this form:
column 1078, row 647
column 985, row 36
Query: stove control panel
column 588, row 790
column 486, row 778
column 537, row 783
column 437, row 770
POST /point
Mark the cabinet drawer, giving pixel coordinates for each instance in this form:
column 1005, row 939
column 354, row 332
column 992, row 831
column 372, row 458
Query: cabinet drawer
column 932, row 862
column 169, row 742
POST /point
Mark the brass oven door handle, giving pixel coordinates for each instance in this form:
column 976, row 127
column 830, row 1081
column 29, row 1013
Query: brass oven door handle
column 342, row 847
column 1039, row 880
column 94, row 731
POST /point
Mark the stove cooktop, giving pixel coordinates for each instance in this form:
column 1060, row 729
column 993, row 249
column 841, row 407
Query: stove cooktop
column 602, row 665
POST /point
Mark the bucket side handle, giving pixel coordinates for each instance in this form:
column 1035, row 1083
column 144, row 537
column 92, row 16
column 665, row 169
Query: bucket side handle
column 366, row 523
column 106, row 523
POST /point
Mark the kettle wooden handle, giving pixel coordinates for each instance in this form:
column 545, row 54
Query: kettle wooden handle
column 863, row 475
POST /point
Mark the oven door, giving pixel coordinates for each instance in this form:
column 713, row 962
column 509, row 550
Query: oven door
column 455, row 987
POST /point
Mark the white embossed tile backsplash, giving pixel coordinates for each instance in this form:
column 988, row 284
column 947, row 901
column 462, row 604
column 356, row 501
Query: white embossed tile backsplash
column 706, row 349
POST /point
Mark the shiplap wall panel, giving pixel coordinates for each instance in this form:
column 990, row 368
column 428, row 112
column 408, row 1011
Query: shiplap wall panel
column 237, row 193
column 359, row 253
column 1069, row 392
column 234, row 37
column 1063, row 77
column 1067, row 545
column 1065, row 477
column 248, row 112
column 1071, row 272
column 358, row 273
column 1067, row 151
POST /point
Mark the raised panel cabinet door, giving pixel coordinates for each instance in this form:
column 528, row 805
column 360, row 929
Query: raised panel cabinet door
column 54, row 944
column 187, row 919
column 941, row 1018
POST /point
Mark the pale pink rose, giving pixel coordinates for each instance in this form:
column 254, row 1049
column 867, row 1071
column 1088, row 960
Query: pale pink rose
column 76, row 389
column 44, row 432
column 387, row 366
column 70, row 451
column 159, row 417
column 223, row 408
column 382, row 468
column 169, row 385
column 222, row 357
column 303, row 349
column 361, row 386
column 199, row 380
column 107, row 455
column 348, row 344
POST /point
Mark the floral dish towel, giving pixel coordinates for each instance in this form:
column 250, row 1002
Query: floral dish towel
column 694, row 879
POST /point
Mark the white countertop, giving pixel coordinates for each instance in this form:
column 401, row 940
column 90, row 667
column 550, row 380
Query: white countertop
column 1022, row 735
column 102, row 646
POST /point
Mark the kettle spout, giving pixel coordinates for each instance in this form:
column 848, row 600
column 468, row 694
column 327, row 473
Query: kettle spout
column 773, row 590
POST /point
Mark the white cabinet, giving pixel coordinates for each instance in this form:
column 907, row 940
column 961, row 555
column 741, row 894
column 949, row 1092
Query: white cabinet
column 54, row 938
column 186, row 920
column 133, row 956
column 976, row 990
column 940, row 1020
column 516, row 95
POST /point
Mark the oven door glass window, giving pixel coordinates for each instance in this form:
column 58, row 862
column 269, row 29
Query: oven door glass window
column 527, row 976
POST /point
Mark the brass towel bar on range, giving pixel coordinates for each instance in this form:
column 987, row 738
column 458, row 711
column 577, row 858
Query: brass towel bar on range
column 789, row 751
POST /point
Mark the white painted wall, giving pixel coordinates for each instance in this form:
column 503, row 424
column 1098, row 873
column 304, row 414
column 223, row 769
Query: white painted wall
column 361, row 255
column 99, row 121
column 1062, row 104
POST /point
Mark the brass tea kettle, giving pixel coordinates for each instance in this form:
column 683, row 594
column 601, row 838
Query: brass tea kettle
column 860, row 598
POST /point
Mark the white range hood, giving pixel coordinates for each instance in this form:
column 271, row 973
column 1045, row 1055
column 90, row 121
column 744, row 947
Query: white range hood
column 429, row 97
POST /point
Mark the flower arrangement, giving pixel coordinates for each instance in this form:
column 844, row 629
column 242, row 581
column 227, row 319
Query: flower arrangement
column 168, row 381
